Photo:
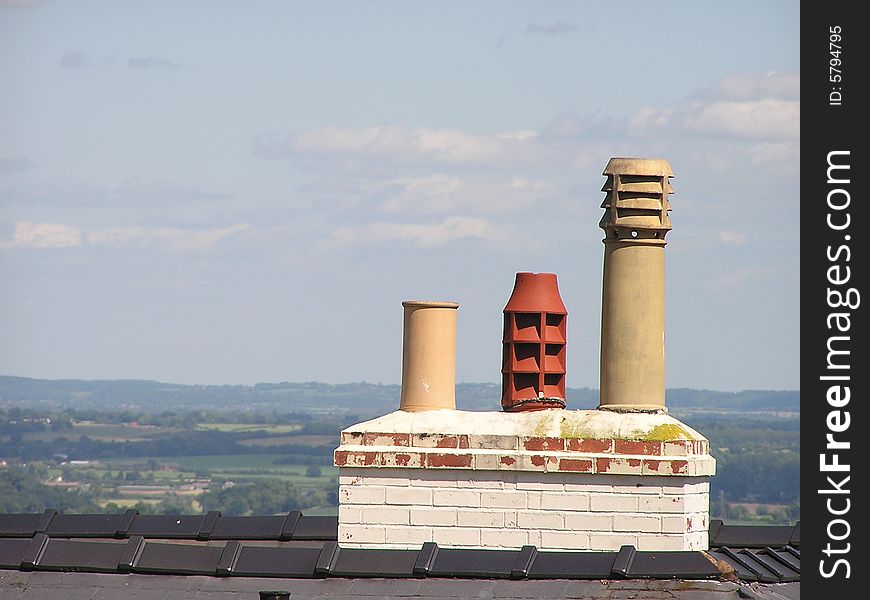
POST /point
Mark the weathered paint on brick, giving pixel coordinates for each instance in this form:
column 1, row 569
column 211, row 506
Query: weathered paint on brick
column 353, row 438
column 347, row 458
column 637, row 447
column 434, row 440
column 619, row 466
column 402, row 459
column 680, row 467
column 545, row 444
column 652, row 467
column 575, row 465
column 681, row 448
column 493, row 442
column 447, row 441
column 591, row 446
column 449, row 461
column 386, row 439
column 486, row 462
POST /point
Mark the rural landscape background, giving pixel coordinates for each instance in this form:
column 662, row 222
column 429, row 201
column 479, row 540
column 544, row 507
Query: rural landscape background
column 105, row 446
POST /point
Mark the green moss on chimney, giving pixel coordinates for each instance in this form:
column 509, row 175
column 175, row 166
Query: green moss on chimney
column 666, row 432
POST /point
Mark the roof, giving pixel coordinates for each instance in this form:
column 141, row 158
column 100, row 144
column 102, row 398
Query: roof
column 111, row 555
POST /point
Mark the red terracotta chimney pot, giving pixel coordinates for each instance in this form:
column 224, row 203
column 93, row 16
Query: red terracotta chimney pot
column 534, row 340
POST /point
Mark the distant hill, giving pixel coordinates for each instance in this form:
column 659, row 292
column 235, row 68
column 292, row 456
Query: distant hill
column 359, row 398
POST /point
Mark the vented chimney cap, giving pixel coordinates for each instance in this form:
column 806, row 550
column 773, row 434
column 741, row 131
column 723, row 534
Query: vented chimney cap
column 638, row 166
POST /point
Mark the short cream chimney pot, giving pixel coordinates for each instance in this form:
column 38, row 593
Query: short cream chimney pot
column 428, row 355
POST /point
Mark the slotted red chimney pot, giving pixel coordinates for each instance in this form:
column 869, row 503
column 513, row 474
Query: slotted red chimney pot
column 534, row 341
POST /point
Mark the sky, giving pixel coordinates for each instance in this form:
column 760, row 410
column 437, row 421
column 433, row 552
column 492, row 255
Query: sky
column 230, row 192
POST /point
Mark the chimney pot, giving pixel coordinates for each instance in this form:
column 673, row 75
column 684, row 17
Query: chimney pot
column 533, row 345
column 428, row 355
column 635, row 223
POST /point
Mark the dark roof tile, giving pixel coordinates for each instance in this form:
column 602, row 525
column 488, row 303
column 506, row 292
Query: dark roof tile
column 753, row 536
column 11, row 552
column 77, row 555
column 25, row 525
column 316, row 528
column 276, row 562
column 352, row 562
column 178, row 559
column 304, row 548
column 167, row 526
column 96, row 526
column 572, row 565
column 452, row 562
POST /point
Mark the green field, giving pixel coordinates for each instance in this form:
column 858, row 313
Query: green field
column 249, row 427
column 106, row 432
column 218, row 462
column 236, row 467
column 303, row 440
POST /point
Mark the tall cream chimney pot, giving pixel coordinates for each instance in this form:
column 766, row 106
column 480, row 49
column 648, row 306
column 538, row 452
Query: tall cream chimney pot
column 635, row 223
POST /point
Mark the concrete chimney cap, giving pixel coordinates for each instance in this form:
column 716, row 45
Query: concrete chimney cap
column 638, row 166
column 429, row 304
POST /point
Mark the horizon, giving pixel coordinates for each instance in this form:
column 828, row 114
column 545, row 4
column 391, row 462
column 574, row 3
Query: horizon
column 361, row 382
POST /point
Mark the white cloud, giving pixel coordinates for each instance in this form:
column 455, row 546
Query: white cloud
column 427, row 235
column 43, row 235
column 732, row 237
column 746, row 124
column 743, row 86
column 755, row 108
column 757, row 119
column 194, row 240
column 770, row 152
column 146, row 192
column 409, row 146
column 439, row 194
column 737, row 278
column 745, row 106
column 768, row 118
column 137, row 192
column 55, row 235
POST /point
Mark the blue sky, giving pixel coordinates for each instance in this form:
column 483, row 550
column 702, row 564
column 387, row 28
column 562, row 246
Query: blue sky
column 235, row 192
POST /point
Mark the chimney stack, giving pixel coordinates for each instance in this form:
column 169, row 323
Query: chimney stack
column 558, row 480
column 635, row 223
column 428, row 356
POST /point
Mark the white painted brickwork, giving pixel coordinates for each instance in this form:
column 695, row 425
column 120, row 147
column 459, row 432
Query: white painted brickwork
column 402, row 508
